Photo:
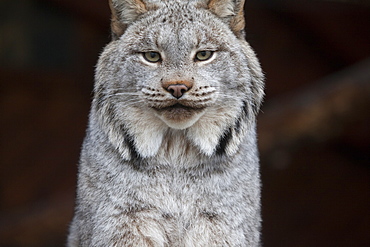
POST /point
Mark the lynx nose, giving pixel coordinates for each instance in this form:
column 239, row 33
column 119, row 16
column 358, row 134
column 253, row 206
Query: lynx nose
column 177, row 90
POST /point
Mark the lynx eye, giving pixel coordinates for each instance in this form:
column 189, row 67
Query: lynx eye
column 152, row 56
column 203, row 55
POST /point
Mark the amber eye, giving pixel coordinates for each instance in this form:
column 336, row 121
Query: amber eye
column 152, row 56
column 203, row 55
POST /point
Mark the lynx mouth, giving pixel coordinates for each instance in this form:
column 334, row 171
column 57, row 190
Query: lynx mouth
column 179, row 111
column 179, row 116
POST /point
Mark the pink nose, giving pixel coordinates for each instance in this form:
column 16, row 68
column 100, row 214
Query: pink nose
column 177, row 90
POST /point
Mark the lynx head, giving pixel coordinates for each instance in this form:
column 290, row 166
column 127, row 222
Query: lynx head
column 177, row 65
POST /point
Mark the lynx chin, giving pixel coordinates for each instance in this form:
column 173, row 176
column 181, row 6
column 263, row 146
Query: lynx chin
column 170, row 155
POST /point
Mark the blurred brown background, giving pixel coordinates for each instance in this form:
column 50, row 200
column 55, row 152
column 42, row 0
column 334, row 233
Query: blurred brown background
column 313, row 129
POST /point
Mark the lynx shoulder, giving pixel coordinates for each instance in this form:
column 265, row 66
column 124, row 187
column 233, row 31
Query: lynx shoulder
column 170, row 155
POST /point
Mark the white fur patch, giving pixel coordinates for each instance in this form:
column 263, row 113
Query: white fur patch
column 148, row 131
column 206, row 133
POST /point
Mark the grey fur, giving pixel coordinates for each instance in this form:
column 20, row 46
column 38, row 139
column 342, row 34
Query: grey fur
column 150, row 175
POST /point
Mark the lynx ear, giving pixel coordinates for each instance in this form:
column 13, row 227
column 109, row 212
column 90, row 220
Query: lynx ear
column 232, row 11
column 124, row 12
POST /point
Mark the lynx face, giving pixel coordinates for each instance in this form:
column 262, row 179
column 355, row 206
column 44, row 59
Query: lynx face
column 177, row 67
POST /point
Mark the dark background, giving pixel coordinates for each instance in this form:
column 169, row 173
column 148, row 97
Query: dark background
column 313, row 129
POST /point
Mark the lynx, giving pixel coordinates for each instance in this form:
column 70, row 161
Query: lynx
column 170, row 155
